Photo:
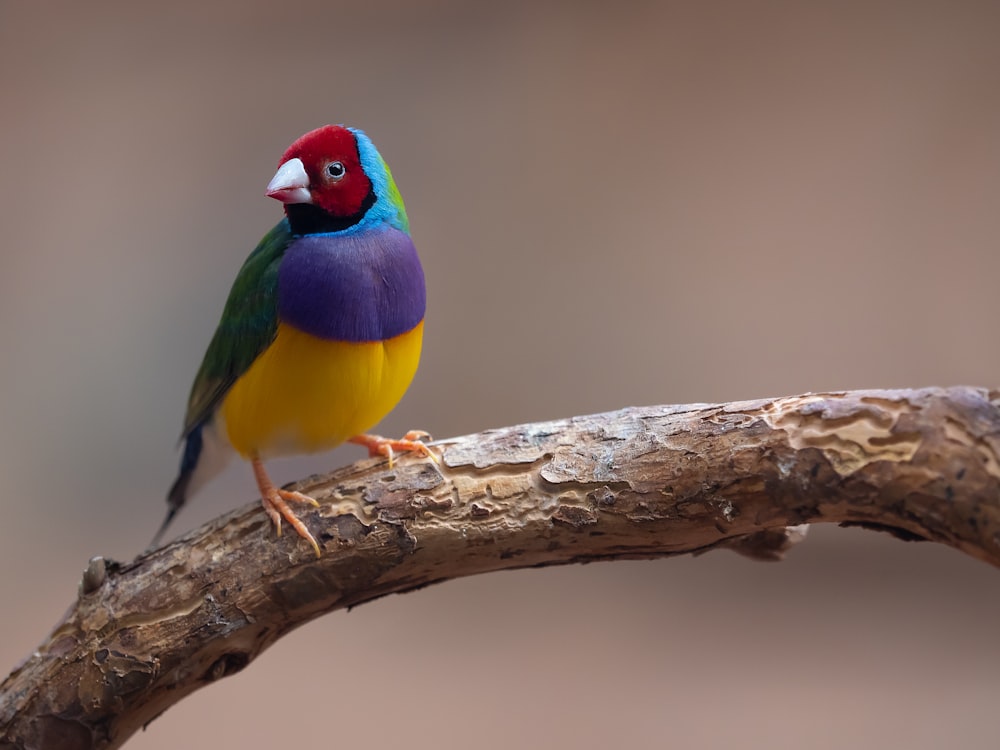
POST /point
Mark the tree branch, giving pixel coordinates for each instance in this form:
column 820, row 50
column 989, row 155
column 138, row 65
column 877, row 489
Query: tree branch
column 636, row 483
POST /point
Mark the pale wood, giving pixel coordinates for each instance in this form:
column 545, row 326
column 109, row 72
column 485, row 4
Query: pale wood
column 636, row 483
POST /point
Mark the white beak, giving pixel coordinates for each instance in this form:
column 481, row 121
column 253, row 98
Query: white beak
column 290, row 183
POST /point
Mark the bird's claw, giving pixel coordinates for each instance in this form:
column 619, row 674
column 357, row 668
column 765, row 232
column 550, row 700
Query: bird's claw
column 276, row 502
column 276, row 506
column 412, row 441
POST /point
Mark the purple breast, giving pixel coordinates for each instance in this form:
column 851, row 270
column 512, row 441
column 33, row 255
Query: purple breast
column 367, row 286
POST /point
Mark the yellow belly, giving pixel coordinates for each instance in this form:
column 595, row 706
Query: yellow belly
column 304, row 394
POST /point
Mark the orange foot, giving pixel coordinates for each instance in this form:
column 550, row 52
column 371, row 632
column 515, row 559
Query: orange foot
column 411, row 441
column 276, row 501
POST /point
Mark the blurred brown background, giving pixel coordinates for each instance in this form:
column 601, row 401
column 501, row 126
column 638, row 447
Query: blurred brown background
column 616, row 203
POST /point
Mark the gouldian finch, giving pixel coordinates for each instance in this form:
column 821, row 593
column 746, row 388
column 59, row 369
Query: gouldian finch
column 321, row 333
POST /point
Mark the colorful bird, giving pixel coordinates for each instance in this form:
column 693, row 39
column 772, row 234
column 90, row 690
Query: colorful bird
column 321, row 333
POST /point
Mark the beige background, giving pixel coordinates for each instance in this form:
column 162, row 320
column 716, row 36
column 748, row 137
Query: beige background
column 616, row 203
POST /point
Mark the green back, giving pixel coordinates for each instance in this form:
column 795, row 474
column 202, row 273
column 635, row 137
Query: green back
column 248, row 326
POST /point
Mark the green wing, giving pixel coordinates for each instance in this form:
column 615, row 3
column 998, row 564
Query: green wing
column 248, row 326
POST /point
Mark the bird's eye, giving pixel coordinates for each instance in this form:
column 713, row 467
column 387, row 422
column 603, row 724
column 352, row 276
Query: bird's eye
column 335, row 170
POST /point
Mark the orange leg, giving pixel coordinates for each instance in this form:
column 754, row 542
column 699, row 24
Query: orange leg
column 380, row 446
column 276, row 501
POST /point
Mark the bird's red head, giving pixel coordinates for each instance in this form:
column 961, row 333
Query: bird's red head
column 323, row 168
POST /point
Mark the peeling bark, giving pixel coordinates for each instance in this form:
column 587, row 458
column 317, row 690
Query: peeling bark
column 636, row 483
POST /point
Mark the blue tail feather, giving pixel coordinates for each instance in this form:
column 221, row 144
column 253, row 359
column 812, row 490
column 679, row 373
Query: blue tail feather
column 179, row 489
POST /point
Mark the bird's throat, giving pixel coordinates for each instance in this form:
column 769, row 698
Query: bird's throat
column 306, row 218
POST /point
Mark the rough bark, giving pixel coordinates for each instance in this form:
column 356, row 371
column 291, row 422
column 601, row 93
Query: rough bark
column 636, row 483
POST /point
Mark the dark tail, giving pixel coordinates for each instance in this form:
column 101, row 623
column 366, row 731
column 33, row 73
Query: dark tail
column 179, row 489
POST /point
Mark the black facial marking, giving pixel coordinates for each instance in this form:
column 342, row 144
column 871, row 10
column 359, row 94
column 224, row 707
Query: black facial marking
column 305, row 218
